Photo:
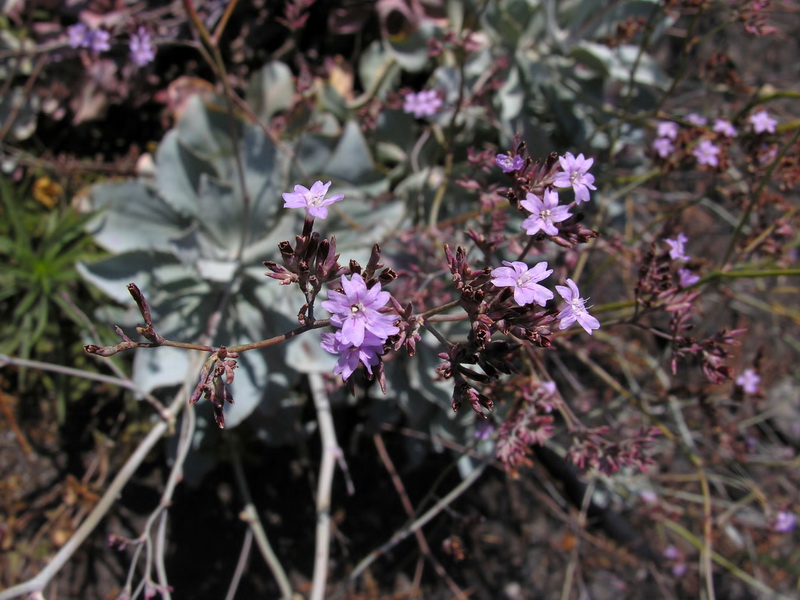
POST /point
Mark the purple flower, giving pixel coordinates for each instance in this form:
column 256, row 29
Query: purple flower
column 667, row 129
column 367, row 353
column 784, row 522
column 575, row 309
column 78, row 35
column 696, row 119
column 575, row 174
column 687, row 278
column 81, row 36
column 767, row 153
column 679, row 569
column 762, row 122
column 663, row 147
column 725, row 128
column 99, row 41
column 749, row 381
column 356, row 311
column 423, row 104
column 313, row 200
column 544, row 212
column 676, row 247
column 484, row 430
column 508, row 164
column 706, row 153
column 141, row 46
column 648, row 496
column 525, row 281
column 545, row 396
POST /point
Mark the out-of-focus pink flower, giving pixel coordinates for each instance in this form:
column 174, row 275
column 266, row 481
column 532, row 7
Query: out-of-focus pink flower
column 706, row 153
column 667, row 129
column 762, row 122
column 676, row 247
column 141, row 46
column 686, row 278
column 784, row 522
column 725, row 128
column 663, row 147
column 696, row 119
column 509, row 164
column 422, row 104
column 749, row 381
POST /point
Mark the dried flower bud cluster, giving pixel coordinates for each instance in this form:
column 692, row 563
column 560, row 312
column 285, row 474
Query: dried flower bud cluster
column 215, row 378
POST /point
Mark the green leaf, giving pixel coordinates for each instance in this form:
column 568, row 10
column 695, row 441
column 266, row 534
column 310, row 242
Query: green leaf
column 617, row 63
column 351, row 160
column 411, row 51
column 132, row 217
column 205, row 130
column 178, row 174
column 271, row 90
column 111, row 275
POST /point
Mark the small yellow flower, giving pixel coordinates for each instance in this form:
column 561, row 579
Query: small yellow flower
column 47, row 191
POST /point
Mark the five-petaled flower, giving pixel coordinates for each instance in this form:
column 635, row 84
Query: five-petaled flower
column 749, row 381
column 357, row 311
column 575, row 174
column 524, row 281
column 784, row 522
column 762, row 122
column 544, row 212
column 141, row 46
column 725, row 128
column 575, row 310
column 422, row 104
column 696, row 119
column 508, row 163
column 350, row 355
column 663, row 147
column 687, row 278
column 667, row 129
column 706, row 153
column 313, row 200
column 81, row 36
column 676, row 247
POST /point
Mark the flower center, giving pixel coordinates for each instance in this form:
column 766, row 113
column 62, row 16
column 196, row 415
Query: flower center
column 523, row 280
column 316, row 199
column 544, row 214
column 577, row 305
column 358, row 307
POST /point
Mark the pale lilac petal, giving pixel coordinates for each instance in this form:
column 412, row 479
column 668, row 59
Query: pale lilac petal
column 575, row 309
column 313, row 200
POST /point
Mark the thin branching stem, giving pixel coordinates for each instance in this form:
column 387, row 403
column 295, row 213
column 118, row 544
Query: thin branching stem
column 256, row 528
column 410, row 528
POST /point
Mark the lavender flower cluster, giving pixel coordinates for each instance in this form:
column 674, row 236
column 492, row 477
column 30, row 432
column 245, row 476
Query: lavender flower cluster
column 97, row 40
column 360, row 311
column 705, row 151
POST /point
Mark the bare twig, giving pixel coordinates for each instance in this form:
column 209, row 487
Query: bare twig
column 409, row 508
column 38, row 583
column 240, row 564
column 250, row 516
column 410, row 528
column 331, row 452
